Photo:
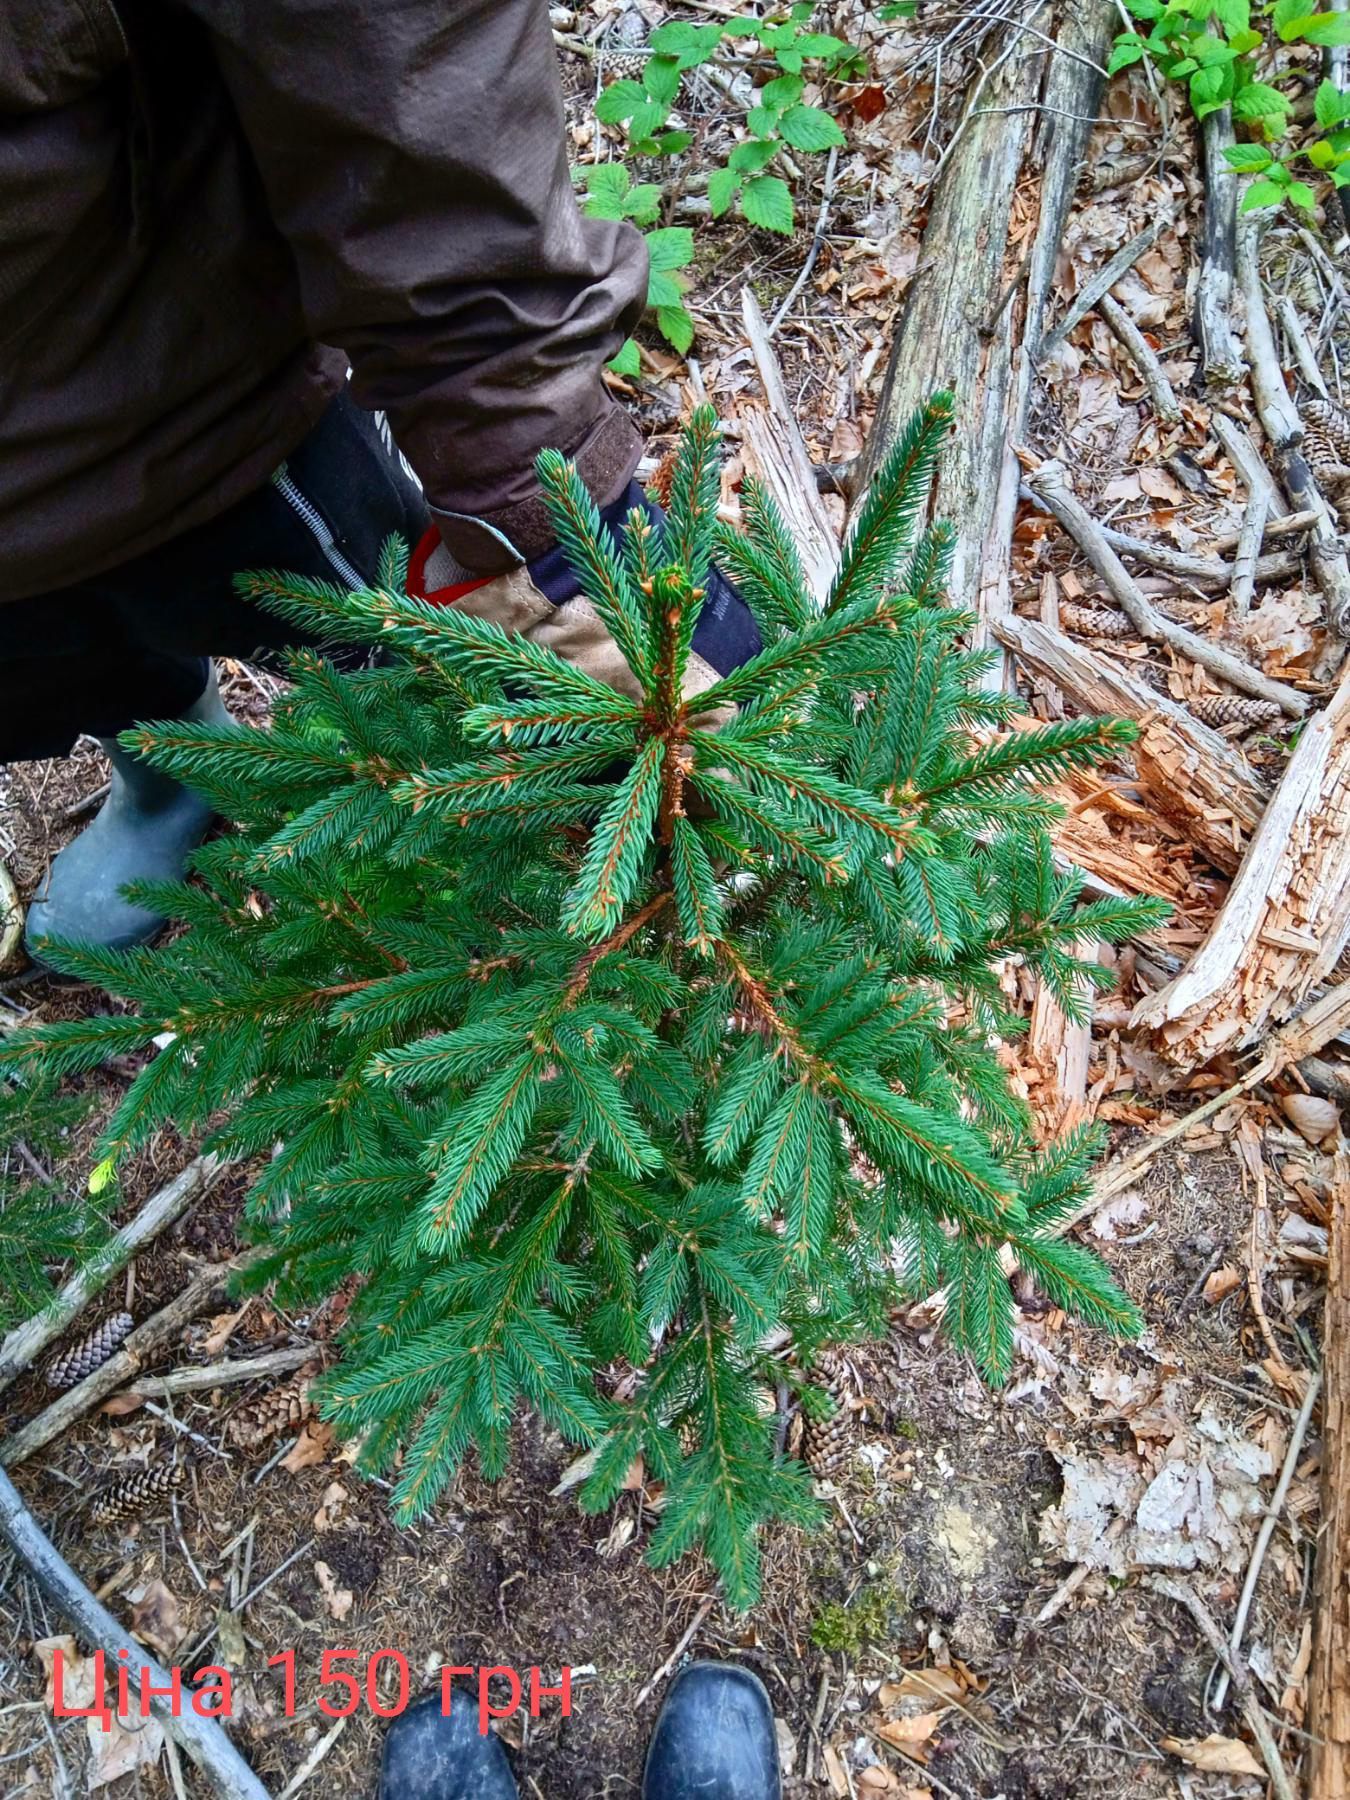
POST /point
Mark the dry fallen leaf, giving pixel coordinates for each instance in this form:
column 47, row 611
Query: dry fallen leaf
column 312, row 1446
column 126, row 1745
column 834, row 1768
column 877, row 1780
column 1216, row 1755
column 942, row 1687
column 122, row 1404
column 157, row 1619
column 337, row 1599
column 909, row 1734
column 1311, row 1116
column 332, row 1508
column 1222, row 1283
column 222, row 1329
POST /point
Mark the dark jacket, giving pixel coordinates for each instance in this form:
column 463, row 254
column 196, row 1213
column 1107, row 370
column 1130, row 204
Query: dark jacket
column 196, row 194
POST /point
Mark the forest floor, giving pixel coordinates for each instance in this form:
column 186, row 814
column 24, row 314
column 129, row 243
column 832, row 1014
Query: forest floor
column 981, row 1619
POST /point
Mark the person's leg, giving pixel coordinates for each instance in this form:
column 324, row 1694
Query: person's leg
column 714, row 1739
column 134, row 645
column 430, row 1755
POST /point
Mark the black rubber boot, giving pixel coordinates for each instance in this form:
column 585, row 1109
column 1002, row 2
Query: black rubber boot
column 429, row 1755
column 715, row 1739
column 145, row 831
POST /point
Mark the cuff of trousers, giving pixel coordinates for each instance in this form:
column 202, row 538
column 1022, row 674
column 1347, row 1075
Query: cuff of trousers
column 490, row 543
column 542, row 601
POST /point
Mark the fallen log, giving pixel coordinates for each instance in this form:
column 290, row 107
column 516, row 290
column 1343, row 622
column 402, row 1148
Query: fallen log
column 1197, row 777
column 1220, row 352
column 1329, row 1673
column 953, row 333
column 1286, row 920
column 1071, row 97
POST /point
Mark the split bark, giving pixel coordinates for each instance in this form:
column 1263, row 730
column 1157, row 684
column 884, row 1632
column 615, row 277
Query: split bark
column 1197, row 777
column 1329, row 1675
column 1286, row 920
column 1061, row 1048
column 122, row 1367
column 201, row 1739
column 777, row 452
column 1315, row 1027
column 27, row 1341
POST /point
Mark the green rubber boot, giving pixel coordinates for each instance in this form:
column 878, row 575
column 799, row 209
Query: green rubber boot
column 145, row 831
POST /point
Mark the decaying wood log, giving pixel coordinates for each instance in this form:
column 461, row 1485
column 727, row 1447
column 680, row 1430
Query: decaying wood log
column 1072, row 96
column 1286, row 920
column 953, row 332
column 1197, row 777
column 1329, row 1674
column 777, row 453
column 1220, row 353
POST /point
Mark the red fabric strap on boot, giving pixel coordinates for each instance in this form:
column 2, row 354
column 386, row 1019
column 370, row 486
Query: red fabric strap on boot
column 417, row 575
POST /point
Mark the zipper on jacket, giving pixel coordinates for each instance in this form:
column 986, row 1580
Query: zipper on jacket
column 313, row 521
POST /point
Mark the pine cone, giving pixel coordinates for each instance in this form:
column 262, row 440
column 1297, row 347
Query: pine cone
column 627, row 65
column 137, row 1495
column 1235, row 709
column 1094, row 621
column 1326, row 440
column 827, row 1443
column 283, row 1409
column 92, row 1351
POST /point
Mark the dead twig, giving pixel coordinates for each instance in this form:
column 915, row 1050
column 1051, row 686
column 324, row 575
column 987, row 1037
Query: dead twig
column 1100, row 285
column 1267, row 1531
column 27, row 1341
column 817, row 242
column 201, row 1739
column 686, row 1638
column 1049, row 483
column 122, row 1367
column 1246, row 558
column 1141, row 354
column 222, row 1374
column 312, row 1761
column 1208, row 1625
